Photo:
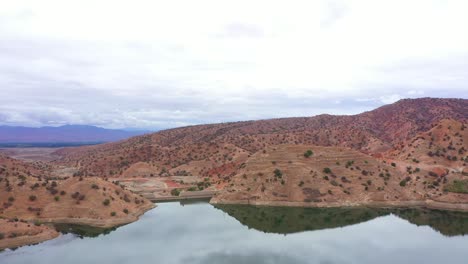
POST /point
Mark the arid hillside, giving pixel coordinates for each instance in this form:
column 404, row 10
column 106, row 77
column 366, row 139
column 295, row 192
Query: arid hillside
column 298, row 175
column 28, row 193
column 445, row 144
column 218, row 150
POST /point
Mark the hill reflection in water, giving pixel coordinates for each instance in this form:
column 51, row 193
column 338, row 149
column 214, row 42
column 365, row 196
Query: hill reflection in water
column 287, row 220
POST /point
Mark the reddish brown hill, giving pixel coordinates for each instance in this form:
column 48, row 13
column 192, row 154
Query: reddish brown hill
column 219, row 149
column 333, row 176
column 28, row 193
column 444, row 145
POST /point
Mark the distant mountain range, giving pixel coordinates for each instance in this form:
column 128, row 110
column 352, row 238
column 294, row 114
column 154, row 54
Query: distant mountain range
column 77, row 134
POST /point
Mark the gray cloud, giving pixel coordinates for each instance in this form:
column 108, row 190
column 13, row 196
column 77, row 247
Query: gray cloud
column 162, row 67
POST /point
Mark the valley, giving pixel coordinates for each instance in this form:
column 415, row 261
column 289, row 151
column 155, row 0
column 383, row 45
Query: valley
column 412, row 153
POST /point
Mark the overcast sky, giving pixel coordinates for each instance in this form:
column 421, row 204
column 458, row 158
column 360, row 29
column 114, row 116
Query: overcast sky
column 158, row 64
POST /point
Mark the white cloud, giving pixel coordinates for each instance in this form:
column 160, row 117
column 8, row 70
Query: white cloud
column 216, row 61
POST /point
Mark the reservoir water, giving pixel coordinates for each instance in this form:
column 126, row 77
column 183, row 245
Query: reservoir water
column 176, row 233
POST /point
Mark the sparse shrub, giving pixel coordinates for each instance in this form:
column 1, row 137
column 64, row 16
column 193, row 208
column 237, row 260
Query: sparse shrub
column 327, row 170
column 32, row 198
column 11, row 199
column 175, row 192
column 278, row 173
column 403, row 183
column 57, row 198
column 308, row 153
column 113, row 213
column 125, row 211
column 2, row 236
column 106, row 202
column 393, row 164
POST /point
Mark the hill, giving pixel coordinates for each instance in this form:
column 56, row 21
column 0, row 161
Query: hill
column 217, row 150
column 29, row 194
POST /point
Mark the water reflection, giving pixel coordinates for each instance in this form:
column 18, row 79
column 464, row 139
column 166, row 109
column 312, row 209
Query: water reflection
column 175, row 234
column 286, row 220
column 83, row 230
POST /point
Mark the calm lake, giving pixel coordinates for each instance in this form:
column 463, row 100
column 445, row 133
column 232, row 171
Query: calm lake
column 202, row 233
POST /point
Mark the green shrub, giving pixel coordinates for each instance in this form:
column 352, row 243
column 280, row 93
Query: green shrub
column 57, row 198
column 308, row 153
column 113, row 213
column 403, row 183
column 278, row 173
column 327, row 170
column 32, row 198
column 106, row 202
column 125, row 211
column 175, row 192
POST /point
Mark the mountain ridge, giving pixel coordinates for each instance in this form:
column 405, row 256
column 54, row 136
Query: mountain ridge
column 62, row 134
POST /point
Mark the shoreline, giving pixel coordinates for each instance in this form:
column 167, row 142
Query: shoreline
column 51, row 233
column 9, row 243
column 101, row 223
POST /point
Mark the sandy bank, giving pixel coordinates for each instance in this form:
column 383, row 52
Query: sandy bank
column 101, row 222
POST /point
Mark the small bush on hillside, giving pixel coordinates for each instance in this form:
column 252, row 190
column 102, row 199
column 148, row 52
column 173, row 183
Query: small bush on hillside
column 327, row 170
column 57, row 198
column 2, row 236
column 32, row 198
column 113, row 213
column 278, row 173
column 106, row 202
column 308, row 153
column 125, row 211
column 403, row 183
column 175, row 192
